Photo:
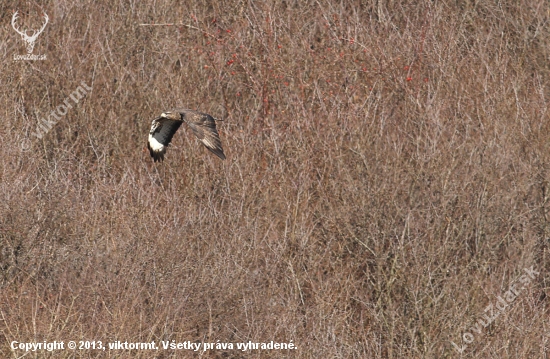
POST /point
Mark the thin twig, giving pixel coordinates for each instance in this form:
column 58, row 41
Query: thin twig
column 186, row 25
column 167, row 24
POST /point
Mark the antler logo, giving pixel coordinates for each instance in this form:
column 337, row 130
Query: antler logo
column 30, row 40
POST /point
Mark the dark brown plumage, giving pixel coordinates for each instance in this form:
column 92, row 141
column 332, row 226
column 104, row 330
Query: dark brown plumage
column 165, row 126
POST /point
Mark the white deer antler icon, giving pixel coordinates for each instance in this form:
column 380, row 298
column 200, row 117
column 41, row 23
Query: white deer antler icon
column 29, row 39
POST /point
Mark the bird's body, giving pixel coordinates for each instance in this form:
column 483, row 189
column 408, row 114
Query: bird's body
column 165, row 126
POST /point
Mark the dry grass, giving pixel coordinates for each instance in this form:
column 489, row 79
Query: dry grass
column 387, row 177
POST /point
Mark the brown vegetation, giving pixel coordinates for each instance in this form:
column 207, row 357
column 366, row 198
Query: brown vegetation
column 386, row 177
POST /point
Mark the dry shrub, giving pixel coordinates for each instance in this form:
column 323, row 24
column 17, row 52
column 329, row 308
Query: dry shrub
column 386, row 177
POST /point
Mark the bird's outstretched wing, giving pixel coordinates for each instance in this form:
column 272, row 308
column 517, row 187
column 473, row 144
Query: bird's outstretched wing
column 204, row 127
column 162, row 131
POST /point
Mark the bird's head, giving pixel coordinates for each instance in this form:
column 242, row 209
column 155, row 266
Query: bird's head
column 171, row 115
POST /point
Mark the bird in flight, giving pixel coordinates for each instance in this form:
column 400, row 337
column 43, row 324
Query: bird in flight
column 164, row 127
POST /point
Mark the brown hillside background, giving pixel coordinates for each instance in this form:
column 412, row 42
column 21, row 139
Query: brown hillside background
column 387, row 178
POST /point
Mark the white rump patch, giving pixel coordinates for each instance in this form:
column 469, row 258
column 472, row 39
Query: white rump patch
column 155, row 145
